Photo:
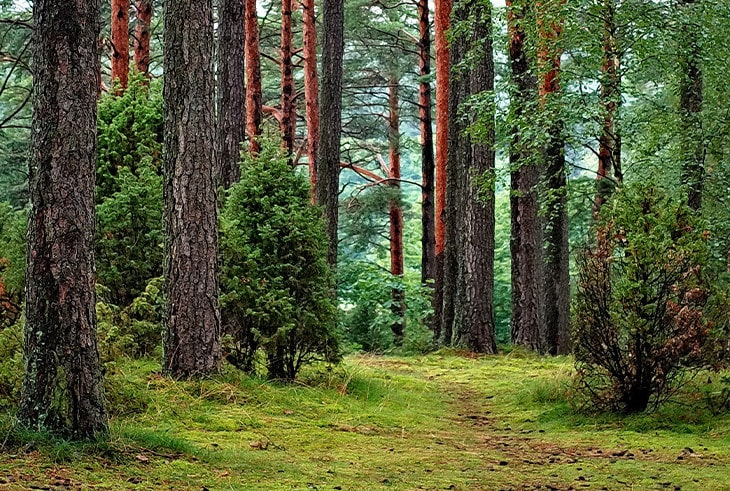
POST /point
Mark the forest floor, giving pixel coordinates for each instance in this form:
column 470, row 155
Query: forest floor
column 440, row 421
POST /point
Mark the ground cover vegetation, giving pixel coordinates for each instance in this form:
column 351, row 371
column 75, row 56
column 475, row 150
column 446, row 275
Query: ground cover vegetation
column 436, row 422
column 482, row 246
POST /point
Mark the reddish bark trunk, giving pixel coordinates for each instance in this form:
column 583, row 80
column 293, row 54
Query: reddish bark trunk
column 288, row 116
column 396, row 212
column 142, row 36
column 428, row 237
column 556, row 278
column 120, row 42
column 311, row 88
column 253, row 77
column 441, row 25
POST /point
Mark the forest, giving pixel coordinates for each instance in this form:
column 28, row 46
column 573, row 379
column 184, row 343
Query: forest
column 365, row 244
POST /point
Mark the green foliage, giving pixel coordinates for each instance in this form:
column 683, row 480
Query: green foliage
column 639, row 316
column 129, row 190
column 130, row 132
column 135, row 330
column 275, row 281
column 11, row 363
column 12, row 263
column 366, row 291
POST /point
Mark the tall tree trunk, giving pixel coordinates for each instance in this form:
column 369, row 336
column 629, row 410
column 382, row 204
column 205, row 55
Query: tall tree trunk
column 254, row 103
column 288, row 116
column 609, row 141
column 231, row 90
column 311, row 87
column 556, row 278
column 330, row 117
column 526, row 228
column 428, row 236
column 690, row 101
column 459, row 155
column 120, row 42
column 192, row 339
column 142, row 36
column 62, row 386
column 477, row 329
column 442, row 15
column 395, row 212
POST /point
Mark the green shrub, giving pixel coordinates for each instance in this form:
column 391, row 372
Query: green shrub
column 365, row 292
column 129, row 244
column 12, row 263
column 134, row 331
column 11, row 363
column 639, row 313
column 275, row 282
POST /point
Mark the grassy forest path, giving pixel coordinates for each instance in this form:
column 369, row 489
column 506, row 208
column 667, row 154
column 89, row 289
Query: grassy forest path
column 432, row 422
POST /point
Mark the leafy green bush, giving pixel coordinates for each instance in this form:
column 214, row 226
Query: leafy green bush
column 365, row 292
column 275, row 281
column 640, row 319
column 129, row 190
column 12, row 263
column 134, row 331
column 11, row 363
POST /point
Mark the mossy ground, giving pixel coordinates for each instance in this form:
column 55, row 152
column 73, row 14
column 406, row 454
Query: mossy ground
column 441, row 421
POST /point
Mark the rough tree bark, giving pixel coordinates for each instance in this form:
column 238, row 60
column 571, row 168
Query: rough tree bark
column 428, row 235
column 395, row 210
column 556, row 279
column 288, row 115
column 690, row 105
column 330, row 115
column 458, row 156
column 120, row 42
column 311, row 87
column 442, row 14
column 192, row 336
column 526, row 229
column 231, row 90
column 62, row 386
column 477, row 329
column 142, row 36
column 609, row 141
column 254, row 103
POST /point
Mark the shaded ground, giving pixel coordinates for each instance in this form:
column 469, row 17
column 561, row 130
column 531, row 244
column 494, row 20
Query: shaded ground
column 435, row 422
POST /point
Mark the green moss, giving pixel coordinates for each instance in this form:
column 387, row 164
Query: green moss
column 441, row 421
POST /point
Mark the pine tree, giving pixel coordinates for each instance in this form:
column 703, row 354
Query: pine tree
column 330, row 117
column 62, row 386
column 311, row 88
column 556, row 279
column 526, row 228
column 254, row 102
column 142, row 36
column 231, row 90
column 193, row 332
column 428, row 217
column 441, row 26
column 120, row 42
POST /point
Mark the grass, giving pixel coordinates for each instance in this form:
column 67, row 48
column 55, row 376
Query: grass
column 442, row 421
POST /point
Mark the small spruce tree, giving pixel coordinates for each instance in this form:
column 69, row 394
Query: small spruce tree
column 275, row 281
